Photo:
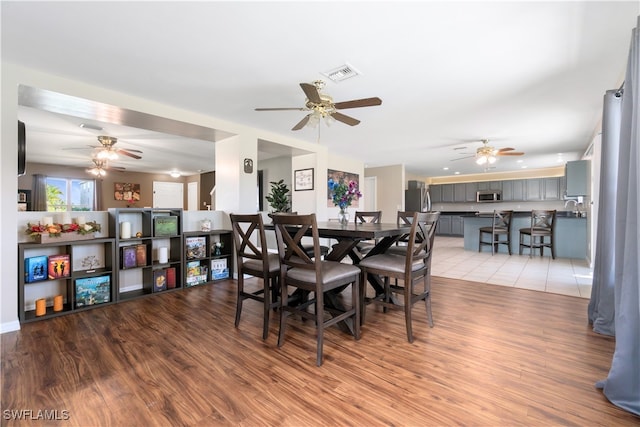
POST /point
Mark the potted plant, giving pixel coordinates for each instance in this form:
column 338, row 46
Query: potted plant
column 278, row 198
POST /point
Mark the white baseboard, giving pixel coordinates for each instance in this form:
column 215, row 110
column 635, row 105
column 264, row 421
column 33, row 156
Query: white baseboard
column 9, row 326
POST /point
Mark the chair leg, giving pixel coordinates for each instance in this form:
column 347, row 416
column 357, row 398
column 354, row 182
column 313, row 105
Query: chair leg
column 408, row 293
column 283, row 314
column 355, row 297
column 427, row 300
column 363, row 295
column 240, row 298
column 266, row 307
column 320, row 326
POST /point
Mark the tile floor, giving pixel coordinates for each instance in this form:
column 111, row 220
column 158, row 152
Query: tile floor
column 560, row 276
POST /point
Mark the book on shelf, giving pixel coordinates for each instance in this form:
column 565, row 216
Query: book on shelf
column 196, row 247
column 220, row 274
column 196, row 273
column 35, row 268
column 159, row 280
column 218, row 264
column 129, row 259
column 171, row 277
column 165, row 225
column 93, row 290
column 141, row 255
column 59, row 266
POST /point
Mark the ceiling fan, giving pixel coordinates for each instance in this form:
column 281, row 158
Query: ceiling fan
column 487, row 154
column 109, row 152
column 100, row 167
column 321, row 106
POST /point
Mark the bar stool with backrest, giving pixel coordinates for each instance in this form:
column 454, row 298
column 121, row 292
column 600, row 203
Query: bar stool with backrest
column 312, row 274
column 253, row 258
column 407, row 270
column 543, row 224
column 403, row 219
column 367, row 217
column 501, row 226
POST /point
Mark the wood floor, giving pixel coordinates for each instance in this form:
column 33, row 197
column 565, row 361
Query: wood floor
column 497, row 356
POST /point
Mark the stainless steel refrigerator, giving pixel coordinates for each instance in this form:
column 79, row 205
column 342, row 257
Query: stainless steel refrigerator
column 416, row 197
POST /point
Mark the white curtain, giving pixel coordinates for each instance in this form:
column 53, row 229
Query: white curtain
column 622, row 386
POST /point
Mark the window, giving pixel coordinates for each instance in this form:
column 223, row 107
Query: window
column 70, row 194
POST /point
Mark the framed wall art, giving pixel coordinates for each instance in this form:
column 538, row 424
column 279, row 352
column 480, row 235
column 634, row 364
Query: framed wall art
column 125, row 191
column 303, row 180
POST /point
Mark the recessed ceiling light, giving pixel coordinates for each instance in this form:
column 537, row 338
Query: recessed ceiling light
column 445, row 168
column 519, row 161
column 524, row 167
column 457, row 173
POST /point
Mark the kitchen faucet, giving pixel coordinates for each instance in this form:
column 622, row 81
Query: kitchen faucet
column 575, row 203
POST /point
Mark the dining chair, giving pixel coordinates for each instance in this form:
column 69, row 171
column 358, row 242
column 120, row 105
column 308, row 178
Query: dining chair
column 407, row 270
column 403, row 219
column 312, row 274
column 253, row 258
column 501, row 226
column 543, row 224
column 367, row 217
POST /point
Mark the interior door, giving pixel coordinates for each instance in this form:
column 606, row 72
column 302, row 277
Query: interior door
column 168, row 194
column 370, row 186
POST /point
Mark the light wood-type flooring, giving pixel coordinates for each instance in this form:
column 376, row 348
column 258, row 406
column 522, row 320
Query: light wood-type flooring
column 497, row 356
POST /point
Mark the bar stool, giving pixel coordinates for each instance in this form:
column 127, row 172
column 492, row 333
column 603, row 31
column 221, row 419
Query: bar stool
column 543, row 224
column 501, row 227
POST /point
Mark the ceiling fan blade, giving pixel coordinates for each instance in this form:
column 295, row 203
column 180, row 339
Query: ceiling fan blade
column 356, row 103
column 301, row 123
column 505, row 149
column 461, row 158
column 311, row 92
column 514, row 153
column 117, row 168
column 127, row 153
column 345, row 119
column 281, row 109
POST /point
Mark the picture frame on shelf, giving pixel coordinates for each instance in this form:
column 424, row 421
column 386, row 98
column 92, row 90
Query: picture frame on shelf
column 93, row 290
column 303, row 179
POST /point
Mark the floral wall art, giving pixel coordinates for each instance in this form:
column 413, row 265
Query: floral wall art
column 338, row 177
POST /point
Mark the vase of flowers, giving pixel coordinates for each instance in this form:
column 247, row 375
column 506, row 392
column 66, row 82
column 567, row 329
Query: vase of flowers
column 343, row 194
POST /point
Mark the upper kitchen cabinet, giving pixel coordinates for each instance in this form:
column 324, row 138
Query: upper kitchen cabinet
column 577, row 176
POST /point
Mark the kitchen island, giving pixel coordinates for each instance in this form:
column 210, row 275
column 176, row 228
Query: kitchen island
column 570, row 233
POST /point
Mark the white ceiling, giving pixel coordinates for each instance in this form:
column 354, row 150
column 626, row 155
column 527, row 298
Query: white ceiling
column 527, row 75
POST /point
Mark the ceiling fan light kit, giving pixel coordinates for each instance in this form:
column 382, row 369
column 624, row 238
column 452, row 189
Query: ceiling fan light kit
column 487, row 155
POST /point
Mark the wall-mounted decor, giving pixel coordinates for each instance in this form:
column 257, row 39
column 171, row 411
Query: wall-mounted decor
column 303, row 180
column 126, row 192
column 248, row 166
column 346, row 177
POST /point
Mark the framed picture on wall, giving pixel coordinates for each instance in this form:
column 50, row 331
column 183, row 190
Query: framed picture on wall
column 303, row 179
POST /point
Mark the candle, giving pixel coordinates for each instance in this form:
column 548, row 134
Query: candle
column 81, row 220
column 57, row 303
column 125, row 230
column 163, row 255
column 41, row 307
column 65, row 218
column 47, row 220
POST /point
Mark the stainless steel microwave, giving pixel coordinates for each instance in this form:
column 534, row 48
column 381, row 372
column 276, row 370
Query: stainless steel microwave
column 488, row 196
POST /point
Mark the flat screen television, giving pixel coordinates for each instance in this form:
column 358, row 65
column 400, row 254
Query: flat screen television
column 22, row 149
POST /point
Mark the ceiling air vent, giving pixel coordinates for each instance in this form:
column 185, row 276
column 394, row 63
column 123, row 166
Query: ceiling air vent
column 341, row 73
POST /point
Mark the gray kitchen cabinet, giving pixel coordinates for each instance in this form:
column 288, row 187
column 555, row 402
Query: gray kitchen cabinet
column 471, row 189
column 444, row 225
column 490, row 185
column 577, row 177
column 447, row 193
column 457, row 226
column 513, row 190
column 551, row 188
column 533, row 189
column 435, row 191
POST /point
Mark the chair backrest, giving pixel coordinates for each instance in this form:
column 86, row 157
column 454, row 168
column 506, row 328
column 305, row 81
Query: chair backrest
column 403, row 219
column 421, row 238
column 502, row 219
column 372, row 217
column 290, row 229
column 543, row 219
column 248, row 232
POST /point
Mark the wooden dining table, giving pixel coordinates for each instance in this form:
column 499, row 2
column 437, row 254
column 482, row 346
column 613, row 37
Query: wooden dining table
column 348, row 236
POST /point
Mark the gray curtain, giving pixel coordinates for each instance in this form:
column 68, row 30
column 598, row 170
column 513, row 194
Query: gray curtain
column 39, row 192
column 601, row 307
column 622, row 386
column 98, row 194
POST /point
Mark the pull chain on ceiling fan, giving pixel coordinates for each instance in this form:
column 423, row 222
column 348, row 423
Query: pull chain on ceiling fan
column 321, row 106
